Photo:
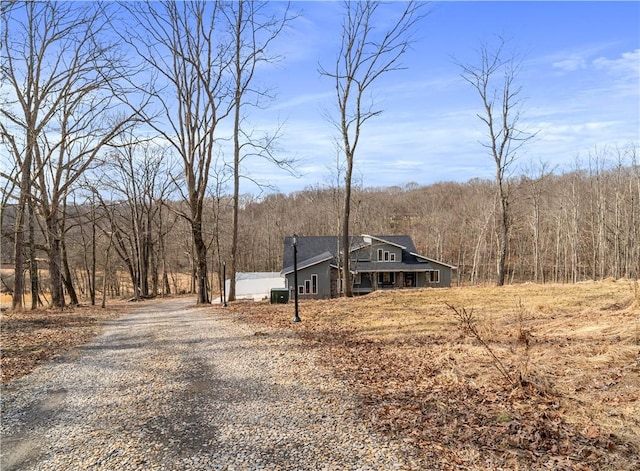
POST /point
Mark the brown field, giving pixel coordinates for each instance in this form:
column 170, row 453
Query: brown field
column 573, row 352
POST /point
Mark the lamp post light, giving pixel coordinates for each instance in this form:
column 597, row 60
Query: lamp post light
column 296, row 318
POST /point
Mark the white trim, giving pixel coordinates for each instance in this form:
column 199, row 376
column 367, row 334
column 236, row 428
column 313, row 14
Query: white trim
column 428, row 277
column 305, row 263
column 453, row 267
column 385, row 241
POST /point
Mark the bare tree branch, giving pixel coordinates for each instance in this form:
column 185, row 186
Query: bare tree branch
column 364, row 56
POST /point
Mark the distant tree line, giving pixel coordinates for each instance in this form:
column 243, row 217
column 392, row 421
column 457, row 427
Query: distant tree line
column 583, row 224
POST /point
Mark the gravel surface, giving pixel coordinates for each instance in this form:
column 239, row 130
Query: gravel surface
column 174, row 387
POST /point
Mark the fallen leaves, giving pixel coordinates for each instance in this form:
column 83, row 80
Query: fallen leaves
column 421, row 380
column 29, row 338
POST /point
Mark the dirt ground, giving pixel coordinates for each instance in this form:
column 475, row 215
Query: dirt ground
column 548, row 378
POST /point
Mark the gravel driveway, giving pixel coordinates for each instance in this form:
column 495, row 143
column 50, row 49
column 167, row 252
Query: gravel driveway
column 174, row 387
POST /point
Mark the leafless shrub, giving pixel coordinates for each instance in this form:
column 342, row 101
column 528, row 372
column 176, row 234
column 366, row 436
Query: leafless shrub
column 524, row 338
column 469, row 324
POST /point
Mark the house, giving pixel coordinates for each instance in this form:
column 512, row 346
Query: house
column 376, row 262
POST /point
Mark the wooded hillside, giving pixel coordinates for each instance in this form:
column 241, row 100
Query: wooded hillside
column 583, row 224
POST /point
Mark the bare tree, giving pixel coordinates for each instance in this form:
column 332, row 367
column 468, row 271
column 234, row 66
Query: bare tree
column 495, row 81
column 535, row 184
column 254, row 28
column 179, row 42
column 365, row 55
column 62, row 80
column 137, row 172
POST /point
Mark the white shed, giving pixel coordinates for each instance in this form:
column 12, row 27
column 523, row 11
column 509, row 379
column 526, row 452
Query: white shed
column 256, row 286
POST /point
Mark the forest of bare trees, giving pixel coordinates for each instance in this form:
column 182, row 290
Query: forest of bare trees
column 579, row 225
column 120, row 187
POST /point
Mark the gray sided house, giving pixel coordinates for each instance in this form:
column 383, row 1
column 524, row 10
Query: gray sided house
column 376, row 262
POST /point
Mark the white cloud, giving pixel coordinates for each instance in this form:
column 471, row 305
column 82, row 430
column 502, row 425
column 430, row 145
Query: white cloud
column 628, row 64
column 571, row 64
column 303, row 99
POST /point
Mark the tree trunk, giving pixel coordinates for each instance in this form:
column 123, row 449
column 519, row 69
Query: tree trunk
column 236, row 151
column 55, row 271
column 346, row 274
column 33, row 262
column 67, row 279
column 201, row 264
column 18, row 247
column 106, row 272
column 92, row 282
column 504, row 238
column 231, row 295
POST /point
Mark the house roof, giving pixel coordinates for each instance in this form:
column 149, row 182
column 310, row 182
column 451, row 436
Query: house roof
column 402, row 241
column 309, row 247
column 453, row 267
column 309, row 262
column 317, row 249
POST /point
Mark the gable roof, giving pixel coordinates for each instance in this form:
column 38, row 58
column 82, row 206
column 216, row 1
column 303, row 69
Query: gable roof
column 309, row 262
column 402, row 241
column 453, row 267
column 311, row 246
column 317, row 249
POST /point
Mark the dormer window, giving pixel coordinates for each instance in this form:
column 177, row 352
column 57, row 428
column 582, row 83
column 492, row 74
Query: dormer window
column 386, row 256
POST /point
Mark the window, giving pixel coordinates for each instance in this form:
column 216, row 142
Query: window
column 386, row 256
column 386, row 278
column 433, row 276
column 309, row 286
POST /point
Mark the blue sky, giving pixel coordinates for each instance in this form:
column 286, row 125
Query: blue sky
column 580, row 77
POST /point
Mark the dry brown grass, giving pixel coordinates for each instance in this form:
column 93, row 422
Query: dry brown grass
column 424, row 379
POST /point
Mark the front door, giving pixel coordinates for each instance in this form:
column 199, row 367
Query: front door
column 409, row 280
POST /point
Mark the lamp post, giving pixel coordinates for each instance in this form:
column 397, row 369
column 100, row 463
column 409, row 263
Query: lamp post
column 224, row 284
column 296, row 318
